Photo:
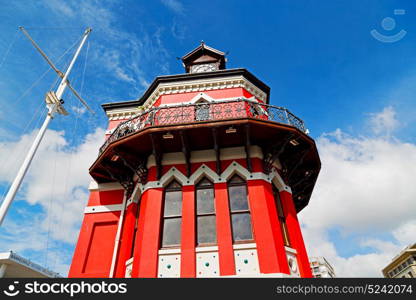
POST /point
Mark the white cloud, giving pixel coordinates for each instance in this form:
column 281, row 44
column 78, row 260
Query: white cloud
column 366, row 185
column 57, row 181
column 174, row 5
column 61, row 7
column 19, row 236
column 357, row 265
column 406, row 233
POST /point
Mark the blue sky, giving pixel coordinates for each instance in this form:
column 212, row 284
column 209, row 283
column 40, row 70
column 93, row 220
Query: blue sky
column 355, row 93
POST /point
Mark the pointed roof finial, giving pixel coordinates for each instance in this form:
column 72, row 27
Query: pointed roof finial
column 202, row 43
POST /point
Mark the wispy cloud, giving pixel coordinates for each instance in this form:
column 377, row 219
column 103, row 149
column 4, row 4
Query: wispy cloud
column 385, row 122
column 174, row 5
column 80, row 110
column 126, row 56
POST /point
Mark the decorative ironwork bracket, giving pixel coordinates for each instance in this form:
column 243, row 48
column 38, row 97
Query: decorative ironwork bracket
column 305, row 178
column 247, row 148
column 186, row 151
column 274, row 152
column 126, row 181
column 217, row 151
column 137, row 166
column 298, row 194
column 298, row 161
column 158, row 154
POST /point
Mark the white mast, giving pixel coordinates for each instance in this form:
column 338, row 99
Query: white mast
column 54, row 104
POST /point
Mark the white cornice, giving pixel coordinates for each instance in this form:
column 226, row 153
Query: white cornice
column 199, row 85
column 110, row 186
column 102, row 208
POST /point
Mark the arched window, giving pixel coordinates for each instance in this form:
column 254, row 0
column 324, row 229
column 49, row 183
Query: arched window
column 240, row 211
column 205, row 212
column 282, row 219
column 172, row 215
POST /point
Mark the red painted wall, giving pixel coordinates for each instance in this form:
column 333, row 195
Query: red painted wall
column 224, row 234
column 270, row 248
column 105, row 197
column 216, row 94
column 148, row 234
column 94, row 250
column 126, row 241
column 295, row 234
column 188, row 257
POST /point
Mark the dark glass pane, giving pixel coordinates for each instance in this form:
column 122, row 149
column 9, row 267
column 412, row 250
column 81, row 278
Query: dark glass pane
column 238, row 197
column 174, row 185
column 204, row 183
column 171, row 232
column 279, row 206
column 236, row 179
column 173, row 203
column 205, row 201
column 241, row 227
column 207, row 232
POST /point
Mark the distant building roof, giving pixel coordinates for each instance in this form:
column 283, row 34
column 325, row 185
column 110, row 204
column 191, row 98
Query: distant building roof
column 14, row 265
column 409, row 250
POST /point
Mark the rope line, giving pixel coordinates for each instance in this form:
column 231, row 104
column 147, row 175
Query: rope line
column 24, row 149
column 50, row 207
column 42, row 76
column 74, row 135
column 6, row 162
column 9, row 48
column 53, row 28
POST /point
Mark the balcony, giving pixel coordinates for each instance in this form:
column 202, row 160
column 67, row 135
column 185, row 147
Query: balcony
column 203, row 112
column 214, row 125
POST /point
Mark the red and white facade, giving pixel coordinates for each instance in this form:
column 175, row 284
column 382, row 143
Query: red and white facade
column 200, row 177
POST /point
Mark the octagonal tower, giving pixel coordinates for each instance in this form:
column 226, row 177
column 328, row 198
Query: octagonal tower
column 200, row 177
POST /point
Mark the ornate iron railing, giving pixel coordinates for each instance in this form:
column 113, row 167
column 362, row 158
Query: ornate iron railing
column 203, row 112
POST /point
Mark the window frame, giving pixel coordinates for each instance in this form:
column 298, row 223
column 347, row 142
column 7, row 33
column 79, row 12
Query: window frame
column 244, row 211
column 166, row 190
column 281, row 217
column 211, row 214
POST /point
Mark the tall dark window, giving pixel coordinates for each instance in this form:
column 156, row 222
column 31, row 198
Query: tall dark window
column 172, row 215
column 240, row 211
column 136, row 225
column 205, row 212
column 282, row 219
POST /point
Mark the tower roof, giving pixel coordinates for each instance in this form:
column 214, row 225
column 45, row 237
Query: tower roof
column 204, row 54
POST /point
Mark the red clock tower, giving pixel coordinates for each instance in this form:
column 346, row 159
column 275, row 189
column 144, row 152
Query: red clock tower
column 200, row 177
